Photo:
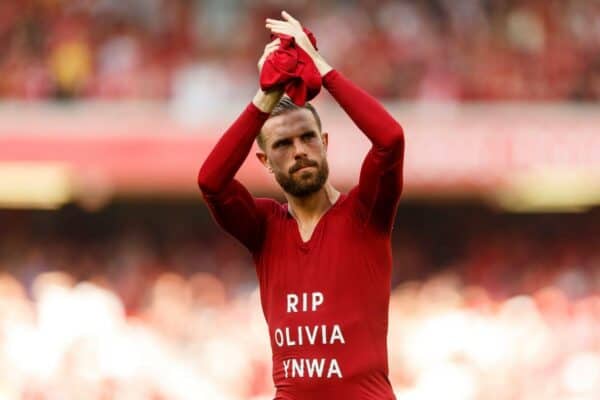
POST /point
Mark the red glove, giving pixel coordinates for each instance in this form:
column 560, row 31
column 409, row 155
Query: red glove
column 291, row 67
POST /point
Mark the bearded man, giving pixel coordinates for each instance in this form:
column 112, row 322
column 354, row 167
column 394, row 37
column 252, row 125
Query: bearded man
column 323, row 258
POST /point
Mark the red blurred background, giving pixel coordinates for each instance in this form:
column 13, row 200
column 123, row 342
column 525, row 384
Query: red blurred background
column 116, row 284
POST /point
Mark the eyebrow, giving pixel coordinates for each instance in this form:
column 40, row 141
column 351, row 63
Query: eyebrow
column 283, row 140
column 280, row 141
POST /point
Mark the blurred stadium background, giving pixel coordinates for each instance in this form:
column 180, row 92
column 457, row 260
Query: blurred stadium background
column 116, row 284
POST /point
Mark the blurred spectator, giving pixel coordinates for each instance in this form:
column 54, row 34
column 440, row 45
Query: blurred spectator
column 429, row 50
column 169, row 309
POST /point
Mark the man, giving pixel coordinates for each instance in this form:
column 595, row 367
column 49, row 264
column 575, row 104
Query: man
column 323, row 260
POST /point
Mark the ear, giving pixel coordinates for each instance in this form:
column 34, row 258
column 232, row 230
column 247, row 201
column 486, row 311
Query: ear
column 262, row 157
column 325, row 140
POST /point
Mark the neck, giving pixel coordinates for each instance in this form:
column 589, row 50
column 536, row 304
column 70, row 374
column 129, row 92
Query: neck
column 312, row 207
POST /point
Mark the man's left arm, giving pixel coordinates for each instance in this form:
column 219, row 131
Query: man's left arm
column 380, row 183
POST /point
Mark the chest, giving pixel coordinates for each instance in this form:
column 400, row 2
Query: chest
column 299, row 256
column 329, row 272
column 306, row 230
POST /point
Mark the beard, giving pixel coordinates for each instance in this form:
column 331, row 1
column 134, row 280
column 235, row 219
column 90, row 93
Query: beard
column 303, row 183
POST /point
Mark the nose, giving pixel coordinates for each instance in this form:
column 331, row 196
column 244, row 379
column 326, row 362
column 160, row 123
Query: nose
column 299, row 149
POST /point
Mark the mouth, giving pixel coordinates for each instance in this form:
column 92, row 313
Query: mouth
column 301, row 169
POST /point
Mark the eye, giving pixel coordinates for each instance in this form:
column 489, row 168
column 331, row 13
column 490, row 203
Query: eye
column 308, row 136
column 281, row 143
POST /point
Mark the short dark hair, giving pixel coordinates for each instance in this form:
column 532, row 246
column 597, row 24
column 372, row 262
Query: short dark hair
column 286, row 105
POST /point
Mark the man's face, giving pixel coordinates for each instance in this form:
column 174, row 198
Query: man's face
column 296, row 152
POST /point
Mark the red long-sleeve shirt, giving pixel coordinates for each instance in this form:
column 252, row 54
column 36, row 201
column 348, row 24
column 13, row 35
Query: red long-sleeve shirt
column 325, row 300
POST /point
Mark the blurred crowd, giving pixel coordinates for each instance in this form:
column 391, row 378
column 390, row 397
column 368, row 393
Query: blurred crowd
column 118, row 305
column 419, row 50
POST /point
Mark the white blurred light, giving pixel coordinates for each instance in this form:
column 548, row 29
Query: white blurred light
column 581, row 373
column 28, row 350
column 226, row 359
column 447, row 381
column 53, row 186
column 180, row 382
column 487, row 342
column 97, row 311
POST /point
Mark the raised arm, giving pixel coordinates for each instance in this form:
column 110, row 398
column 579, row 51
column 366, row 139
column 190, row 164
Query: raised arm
column 232, row 206
column 233, row 147
column 380, row 181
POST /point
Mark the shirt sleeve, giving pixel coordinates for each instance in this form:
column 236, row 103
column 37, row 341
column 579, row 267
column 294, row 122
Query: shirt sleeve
column 232, row 206
column 380, row 182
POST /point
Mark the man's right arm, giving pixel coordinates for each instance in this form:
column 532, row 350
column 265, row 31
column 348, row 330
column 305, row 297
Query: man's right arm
column 232, row 206
column 231, row 150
